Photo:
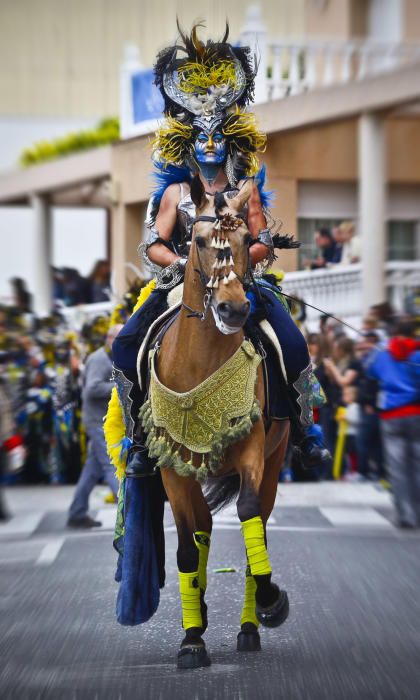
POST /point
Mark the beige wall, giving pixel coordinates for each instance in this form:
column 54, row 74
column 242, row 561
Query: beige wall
column 62, row 57
column 331, row 18
column 325, row 153
column 346, row 18
column 411, row 19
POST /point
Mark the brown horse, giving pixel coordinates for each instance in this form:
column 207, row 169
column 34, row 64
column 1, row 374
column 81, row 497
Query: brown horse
column 191, row 351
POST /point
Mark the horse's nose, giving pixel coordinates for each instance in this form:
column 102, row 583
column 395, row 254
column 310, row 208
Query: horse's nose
column 233, row 313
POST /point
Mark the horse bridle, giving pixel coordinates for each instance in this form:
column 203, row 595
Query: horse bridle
column 247, row 281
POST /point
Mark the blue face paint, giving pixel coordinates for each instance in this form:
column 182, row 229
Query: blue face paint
column 210, row 150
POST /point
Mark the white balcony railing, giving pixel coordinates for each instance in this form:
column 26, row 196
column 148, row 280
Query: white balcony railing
column 338, row 290
column 286, row 66
column 296, row 66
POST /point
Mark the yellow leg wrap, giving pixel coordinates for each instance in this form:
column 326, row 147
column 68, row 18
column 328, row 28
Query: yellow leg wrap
column 256, row 551
column 202, row 542
column 190, row 600
column 248, row 608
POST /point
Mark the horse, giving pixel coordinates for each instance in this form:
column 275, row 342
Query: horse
column 206, row 334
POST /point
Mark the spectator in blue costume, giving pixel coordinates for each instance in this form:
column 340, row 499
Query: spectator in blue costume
column 397, row 371
column 208, row 133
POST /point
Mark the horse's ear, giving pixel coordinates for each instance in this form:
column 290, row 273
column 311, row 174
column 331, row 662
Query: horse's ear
column 198, row 193
column 237, row 203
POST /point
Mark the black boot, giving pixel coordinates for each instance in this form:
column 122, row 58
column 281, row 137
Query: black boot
column 307, row 438
column 310, row 454
column 131, row 398
column 139, row 463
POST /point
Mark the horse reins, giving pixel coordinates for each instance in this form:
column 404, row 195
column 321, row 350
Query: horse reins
column 205, row 279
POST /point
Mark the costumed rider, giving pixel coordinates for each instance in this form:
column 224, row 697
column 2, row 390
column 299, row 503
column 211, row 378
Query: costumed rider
column 207, row 132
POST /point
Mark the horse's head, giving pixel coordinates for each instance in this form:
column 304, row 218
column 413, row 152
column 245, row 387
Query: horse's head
column 220, row 251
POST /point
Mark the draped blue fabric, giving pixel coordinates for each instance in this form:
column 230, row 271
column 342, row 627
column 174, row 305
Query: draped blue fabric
column 137, row 568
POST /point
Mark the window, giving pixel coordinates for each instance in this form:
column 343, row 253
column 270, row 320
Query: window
column 402, row 240
column 306, row 230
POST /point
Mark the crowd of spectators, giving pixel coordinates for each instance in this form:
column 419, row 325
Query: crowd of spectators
column 371, row 416
column 371, row 383
column 337, row 246
column 42, row 435
column 71, row 288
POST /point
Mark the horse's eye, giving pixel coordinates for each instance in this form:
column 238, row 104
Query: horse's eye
column 200, row 242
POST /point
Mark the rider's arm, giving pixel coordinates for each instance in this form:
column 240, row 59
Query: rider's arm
column 256, row 223
column 165, row 222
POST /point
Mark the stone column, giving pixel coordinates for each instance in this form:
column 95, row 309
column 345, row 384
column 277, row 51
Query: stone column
column 127, row 233
column 372, row 208
column 43, row 255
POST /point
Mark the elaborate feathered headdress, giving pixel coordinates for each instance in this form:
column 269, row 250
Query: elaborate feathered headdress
column 204, row 87
column 204, row 79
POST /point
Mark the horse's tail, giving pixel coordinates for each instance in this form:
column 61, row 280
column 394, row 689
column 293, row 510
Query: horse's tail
column 221, row 491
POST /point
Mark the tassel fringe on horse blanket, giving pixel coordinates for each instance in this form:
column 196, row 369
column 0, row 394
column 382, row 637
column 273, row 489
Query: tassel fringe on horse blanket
column 204, row 421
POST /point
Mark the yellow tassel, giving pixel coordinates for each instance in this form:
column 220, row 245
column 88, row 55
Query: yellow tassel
column 114, row 429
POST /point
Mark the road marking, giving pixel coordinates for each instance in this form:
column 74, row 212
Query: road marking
column 355, row 517
column 22, row 524
column 49, row 553
column 107, row 516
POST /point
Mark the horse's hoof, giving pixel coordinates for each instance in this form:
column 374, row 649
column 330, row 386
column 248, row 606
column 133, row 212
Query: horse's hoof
column 248, row 641
column 193, row 656
column 275, row 614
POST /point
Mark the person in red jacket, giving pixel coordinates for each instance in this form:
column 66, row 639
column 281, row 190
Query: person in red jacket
column 397, row 370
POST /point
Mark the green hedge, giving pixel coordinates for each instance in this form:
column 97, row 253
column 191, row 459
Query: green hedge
column 107, row 131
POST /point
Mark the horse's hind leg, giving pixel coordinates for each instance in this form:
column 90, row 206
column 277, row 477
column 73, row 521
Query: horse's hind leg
column 181, row 492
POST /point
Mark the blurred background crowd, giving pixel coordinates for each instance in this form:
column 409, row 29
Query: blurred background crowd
column 41, row 376
column 42, row 437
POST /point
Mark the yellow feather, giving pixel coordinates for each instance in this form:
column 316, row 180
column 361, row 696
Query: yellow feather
column 114, row 429
column 145, row 293
column 114, row 426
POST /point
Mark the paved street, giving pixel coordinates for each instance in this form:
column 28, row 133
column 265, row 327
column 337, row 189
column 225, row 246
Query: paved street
column 352, row 578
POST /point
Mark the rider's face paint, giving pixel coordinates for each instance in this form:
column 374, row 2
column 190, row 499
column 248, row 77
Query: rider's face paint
column 210, row 149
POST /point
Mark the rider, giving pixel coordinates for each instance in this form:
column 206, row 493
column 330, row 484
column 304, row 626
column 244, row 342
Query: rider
column 207, row 132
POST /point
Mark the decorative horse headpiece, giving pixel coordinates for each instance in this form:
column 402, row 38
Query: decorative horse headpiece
column 205, row 88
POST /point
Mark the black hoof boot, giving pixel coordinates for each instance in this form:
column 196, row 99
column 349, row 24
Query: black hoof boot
column 277, row 613
column 193, row 656
column 248, row 638
column 139, row 463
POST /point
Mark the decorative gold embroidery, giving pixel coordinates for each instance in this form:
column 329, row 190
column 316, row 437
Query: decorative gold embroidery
column 217, row 412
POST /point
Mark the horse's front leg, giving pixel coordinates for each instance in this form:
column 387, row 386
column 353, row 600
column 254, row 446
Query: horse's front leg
column 192, row 557
column 271, row 604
